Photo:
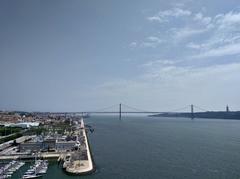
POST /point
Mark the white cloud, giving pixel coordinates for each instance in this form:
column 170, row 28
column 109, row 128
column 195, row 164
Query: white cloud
column 163, row 16
column 154, row 63
column 230, row 18
column 155, row 18
column 224, row 39
column 202, row 19
column 133, row 44
column 220, row 36
column 152, row 41
column 194, row 46
column 173, row 82
column 230, row 49
column 192, row 24
column 182, row 33
column 175, row 12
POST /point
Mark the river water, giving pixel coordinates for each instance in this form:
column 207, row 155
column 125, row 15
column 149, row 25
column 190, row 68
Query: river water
column 174, row 148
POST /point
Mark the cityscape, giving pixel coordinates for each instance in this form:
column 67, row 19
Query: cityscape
column 27, row 136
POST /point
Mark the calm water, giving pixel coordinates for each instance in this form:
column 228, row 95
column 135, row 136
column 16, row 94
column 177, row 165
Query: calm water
column 144, row 147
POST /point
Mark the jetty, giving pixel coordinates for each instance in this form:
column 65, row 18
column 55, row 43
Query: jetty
column 80, row 162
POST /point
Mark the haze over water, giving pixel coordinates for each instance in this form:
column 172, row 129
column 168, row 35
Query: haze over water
column 145, row 147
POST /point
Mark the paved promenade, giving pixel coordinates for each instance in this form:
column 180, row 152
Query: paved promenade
column 82, row 166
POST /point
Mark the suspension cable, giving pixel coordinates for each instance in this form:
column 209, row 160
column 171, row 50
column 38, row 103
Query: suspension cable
column 103, row 109
column 202, row 109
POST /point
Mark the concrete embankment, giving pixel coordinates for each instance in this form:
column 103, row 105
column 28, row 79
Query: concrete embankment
column 82, row 167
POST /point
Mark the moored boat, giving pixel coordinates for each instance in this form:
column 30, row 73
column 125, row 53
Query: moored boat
column 31, row 176
column 37, row 170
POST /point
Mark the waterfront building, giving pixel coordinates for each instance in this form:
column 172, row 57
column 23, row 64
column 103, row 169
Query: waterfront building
column 32, row 146
column 65, row 145
column 36, row 144
column 49, row 143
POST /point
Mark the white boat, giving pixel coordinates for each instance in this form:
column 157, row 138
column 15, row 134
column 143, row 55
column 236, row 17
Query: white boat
column 31, row 176
column 29, row 172
column 12, row 169
column 37, row 170
column 20, row 164
column 7, row 176
column 42, row 172
column 9, row 173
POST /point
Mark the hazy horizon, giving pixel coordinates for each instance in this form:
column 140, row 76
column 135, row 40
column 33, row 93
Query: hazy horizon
column 84, row 55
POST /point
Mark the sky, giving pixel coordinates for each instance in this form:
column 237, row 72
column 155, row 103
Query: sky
column 81, row 55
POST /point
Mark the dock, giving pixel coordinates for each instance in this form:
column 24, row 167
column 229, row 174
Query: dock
column 78, row 165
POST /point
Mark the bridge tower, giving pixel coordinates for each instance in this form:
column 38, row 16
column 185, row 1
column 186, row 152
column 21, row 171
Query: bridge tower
column 192, row 112
column 120, row 111
column 227, row 108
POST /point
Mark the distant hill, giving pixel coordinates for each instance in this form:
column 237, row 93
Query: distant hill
column 209, row 114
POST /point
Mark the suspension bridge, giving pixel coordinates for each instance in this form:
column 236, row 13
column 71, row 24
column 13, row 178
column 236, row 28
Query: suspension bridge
column 126, row 109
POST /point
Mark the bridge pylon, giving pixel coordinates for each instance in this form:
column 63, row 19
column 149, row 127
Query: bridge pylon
column 120, row 111
column 192, row 112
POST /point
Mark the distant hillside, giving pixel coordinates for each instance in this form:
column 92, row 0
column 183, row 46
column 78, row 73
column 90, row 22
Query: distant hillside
column 209, row 114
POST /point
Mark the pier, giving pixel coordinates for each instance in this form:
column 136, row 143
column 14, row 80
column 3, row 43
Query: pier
column 80, row 162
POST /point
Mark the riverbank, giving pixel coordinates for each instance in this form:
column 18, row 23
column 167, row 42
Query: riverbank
column 209, row 115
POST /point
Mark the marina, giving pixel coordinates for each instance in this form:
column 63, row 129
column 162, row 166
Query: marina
column 37, row 170
column 71, row 150
column 7, row 170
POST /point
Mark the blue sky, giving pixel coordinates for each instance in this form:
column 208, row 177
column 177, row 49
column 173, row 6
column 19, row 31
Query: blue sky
column 84, row 55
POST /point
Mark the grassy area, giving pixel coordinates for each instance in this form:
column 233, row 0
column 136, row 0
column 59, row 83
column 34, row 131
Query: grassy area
column 35, row 130
column 59, row 128
column 4, row 131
